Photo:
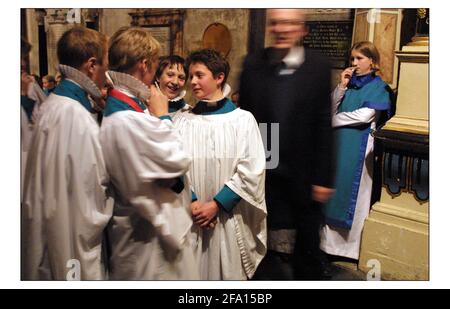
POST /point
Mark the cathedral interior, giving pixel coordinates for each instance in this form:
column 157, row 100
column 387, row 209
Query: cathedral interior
column 395, row 239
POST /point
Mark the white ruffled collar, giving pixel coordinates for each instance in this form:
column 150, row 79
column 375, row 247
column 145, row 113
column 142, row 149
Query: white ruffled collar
column 130, row 84
column 225, row 92
column 182, row 95
column 81, row 79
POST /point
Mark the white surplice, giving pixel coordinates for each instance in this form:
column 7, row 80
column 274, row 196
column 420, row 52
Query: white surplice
column 65, row 209
column 227, row 149
column 26, row 132
column 36, row 94
column 148, row 234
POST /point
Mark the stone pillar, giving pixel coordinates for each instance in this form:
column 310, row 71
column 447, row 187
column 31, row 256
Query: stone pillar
column 34, row 18
column 412, row 102
column 56, row 24
column 396, row 232
column 382, row 27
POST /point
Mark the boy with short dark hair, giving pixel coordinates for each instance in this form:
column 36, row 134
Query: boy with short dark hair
column 227, row 174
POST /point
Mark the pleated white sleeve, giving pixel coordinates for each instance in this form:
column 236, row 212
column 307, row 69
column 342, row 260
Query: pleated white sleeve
column 336, row 98
column 248, row 181
column 25, row 139
column 139, row 150
column 36, row 93
column 249, row 176
column 357, row 117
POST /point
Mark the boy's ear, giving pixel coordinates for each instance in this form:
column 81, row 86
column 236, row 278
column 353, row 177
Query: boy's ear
column 91, row 63
column 89, row 66
column 143, row 65
column 220, row 78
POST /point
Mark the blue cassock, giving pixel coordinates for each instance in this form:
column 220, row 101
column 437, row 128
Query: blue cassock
column 351, row 141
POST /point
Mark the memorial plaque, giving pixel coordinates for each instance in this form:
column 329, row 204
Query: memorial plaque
column 165, row 24
column 162, row 35
column 217, row 37
column 331, row 38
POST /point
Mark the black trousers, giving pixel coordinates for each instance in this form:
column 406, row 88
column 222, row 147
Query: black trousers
column 308, row 258
column 307, row 261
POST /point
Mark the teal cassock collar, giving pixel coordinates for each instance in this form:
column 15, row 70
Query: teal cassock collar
column 222, row 106
column 69, row 89
column 176, row 105
column 115, row 105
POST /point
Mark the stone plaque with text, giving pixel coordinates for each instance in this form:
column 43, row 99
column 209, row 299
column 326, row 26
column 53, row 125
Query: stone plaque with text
column 331, row 38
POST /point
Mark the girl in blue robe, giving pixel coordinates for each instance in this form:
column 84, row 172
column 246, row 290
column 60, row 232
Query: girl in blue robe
column 358, row 102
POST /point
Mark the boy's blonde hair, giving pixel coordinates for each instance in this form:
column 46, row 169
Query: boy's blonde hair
column 79, row 44
column 129, row 45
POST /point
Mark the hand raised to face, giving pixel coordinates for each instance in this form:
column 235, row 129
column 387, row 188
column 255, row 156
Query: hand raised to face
column 157, row 103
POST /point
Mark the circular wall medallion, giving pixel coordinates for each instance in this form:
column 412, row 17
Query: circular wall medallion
column 217, row 37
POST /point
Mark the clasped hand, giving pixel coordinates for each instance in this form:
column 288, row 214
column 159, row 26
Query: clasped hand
column 205, row 214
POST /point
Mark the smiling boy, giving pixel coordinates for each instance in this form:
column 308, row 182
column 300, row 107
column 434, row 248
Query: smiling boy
column 227, row 174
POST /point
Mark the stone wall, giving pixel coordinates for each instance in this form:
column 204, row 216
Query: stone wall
column 195, row 23
column 382, row 27
column 113, row 19
column 236, row 20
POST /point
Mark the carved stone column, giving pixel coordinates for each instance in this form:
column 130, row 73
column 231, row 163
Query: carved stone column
column 56, row 25
column 35, row 17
